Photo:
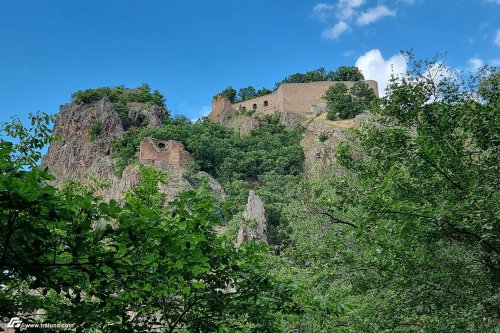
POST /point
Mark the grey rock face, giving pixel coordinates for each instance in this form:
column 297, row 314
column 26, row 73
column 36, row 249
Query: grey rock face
column 145, row 115
column 75, row 152
column 290, row 119
column 249, row 126
column 256, row 213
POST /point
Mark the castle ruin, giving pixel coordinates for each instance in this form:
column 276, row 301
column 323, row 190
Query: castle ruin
column 299, row 98
column 171, row 152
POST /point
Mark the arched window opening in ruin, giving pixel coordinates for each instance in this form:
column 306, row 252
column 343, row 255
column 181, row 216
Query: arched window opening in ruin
column 161, row 145
column 266, row 103
column 254, row 106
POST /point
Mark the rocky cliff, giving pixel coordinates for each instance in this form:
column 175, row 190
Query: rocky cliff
column 255, row 217
column 83, row 148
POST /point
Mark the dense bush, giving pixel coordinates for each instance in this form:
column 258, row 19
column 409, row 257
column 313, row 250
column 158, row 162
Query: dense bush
column 136, row 267
column 221, row 152
column 323, row 137
column 141, row 94
column 343, row 73
column 344, row 103
column 95, row 130
column 120, row 97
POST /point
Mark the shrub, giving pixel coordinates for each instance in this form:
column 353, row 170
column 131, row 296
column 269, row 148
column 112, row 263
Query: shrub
column 346, row 103
column 323, row 137
column 95, row 130
column 120, row 97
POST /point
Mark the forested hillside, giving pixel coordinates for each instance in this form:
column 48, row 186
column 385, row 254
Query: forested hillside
column 398, row 232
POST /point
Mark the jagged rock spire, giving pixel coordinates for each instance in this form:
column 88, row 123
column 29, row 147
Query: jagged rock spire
column 254, row 212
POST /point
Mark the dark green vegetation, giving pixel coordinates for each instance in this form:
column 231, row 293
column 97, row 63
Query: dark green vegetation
column 322, row 137
column 95, row 130
column 221, row 152
column 403, row 235
column 343, row 73
column 407, row 237
column 120, row 96
column 243, row 94
column 344, row 103
column 131, row 268
column 227, row 156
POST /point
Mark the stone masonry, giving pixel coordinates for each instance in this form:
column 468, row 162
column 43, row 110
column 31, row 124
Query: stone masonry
column 171, row 152
column 300, row 98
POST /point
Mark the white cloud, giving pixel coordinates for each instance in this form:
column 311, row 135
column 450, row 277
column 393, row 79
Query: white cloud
column 374, row 67
column 322, row 11
column 494, row 1
column 348, row 53
column 347, row 8
column 475, row 64
column 497, row 38
column 374, row 14
column 335, row 31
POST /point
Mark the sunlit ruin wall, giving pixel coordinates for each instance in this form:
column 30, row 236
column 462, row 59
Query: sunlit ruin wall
column 171, row 152
column 305, row 98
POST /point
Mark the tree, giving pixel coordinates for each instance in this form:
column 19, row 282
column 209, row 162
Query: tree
column 420, row 192
column 134, row 268
column 246, row 93
column 319, row 74
column 263, row 91
column 340, row 103
column 348, row 73
column 229, row 93
column 344, row 103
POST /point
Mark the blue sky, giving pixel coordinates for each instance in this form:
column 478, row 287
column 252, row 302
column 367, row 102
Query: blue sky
column 192, row 49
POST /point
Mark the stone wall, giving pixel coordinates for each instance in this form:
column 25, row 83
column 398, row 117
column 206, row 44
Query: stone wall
column 303, row 98
column 221, row 108
column 171, row 152
column 266, row 104
column 308, row 97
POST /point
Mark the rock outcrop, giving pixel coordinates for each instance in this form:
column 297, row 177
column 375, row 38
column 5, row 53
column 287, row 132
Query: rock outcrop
column 85, row 132
column 84, row 148
column 320, row 155
column 75, row 152
column 255, row 215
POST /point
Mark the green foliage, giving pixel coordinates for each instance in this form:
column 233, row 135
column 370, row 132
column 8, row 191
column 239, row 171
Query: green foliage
column 322, row 137
column 489, row 87
column 229, row 93
column 141, row 94
column 406, row 237
column 319, row 74
column 30, row 141
column 343, row 73
column 246, row 93
column 273, row 119
column 223, row 153
column 346, row 103
column 138, row 267
column 348, row 73
column 95, row 130
column 120, row 97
